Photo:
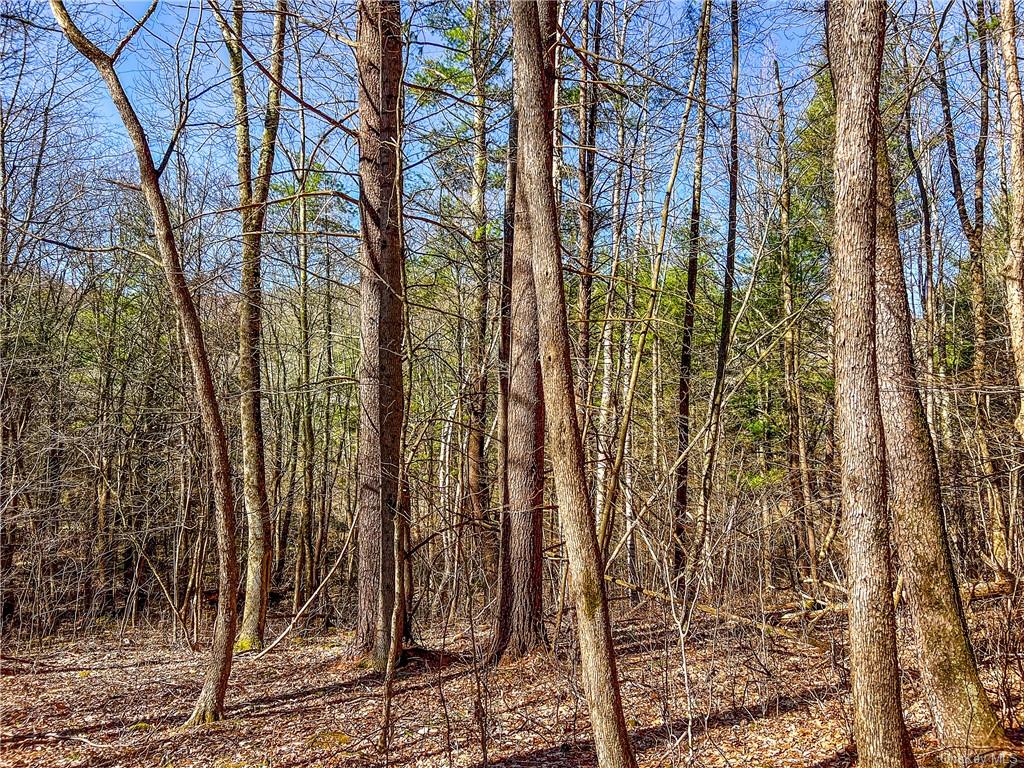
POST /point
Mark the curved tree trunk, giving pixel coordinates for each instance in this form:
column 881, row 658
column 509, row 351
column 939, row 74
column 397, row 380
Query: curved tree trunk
column 960, row 708
column 210, row 704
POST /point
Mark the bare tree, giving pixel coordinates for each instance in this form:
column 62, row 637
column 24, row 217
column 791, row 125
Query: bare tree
column 379, row 61
column 252, row 195
column 600, row 677
column 681, row 499
column 210, row 704
column 1014, row 269
column 972, row 223
column 856, row 36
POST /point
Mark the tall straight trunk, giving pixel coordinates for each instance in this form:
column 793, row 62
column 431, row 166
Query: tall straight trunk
column 519, row 624
column 681, row 498
column 606, row 420
column 961, row 711
column 477, row 495
column 796, row 444
column 600, row 677
column 304, row 541
column 713, row 435
column 252, row 196
column 379, row 63
column 856, row 36
column 304, row 549
column 974, row 233
column 612, row 483
column 210, row 704
column 931, row 340
column 1013, row 271
column 587, row 117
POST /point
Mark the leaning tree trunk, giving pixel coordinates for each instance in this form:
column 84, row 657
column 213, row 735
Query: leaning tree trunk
column 856, row 35
column 253, row 207
column 210, row 704
column 379, row 61
column 600, row 677
column 961, row 711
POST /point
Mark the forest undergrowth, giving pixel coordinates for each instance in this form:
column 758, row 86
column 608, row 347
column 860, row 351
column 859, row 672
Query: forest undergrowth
column 736, row 696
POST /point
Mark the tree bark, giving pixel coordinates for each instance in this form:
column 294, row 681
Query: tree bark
column 379, row 62
column 1013, row 273
column 856, row 35
column 210, row 704
column 963, row 715
column 519, row 622
column 600, row 677
column 681, row 499
column 477, row 491
column 253, row 206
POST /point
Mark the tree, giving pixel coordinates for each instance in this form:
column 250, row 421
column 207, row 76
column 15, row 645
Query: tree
column 796, row 444
column 587, row 117
column 681, row 499
column 961, row 711
column 210, row 704
column 600, row 677
column 477, row 494
column 1013, row 271
column 519, row 618
column 252, row 198
column 972, row 223
column 714, row 436
column 379, row 64
column 856, row 36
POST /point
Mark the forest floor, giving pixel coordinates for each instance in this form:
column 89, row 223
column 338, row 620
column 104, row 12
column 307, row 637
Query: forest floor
column 736, row 697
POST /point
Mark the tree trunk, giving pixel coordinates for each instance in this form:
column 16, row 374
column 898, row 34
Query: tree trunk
column 210, row 704
column 477, row 495
column 961, row 711
column 974, row 233
column 1014, row 268
column 600, row 678
column 714, row 431
column 681, row 499
column 519, row 625
column 253, row 202
column 587, row 116
column 796, row 445
column 379, row 60
column 856, row 35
